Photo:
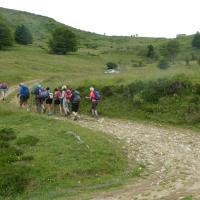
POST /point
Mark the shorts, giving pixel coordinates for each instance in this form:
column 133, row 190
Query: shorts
column 57, row 102
column 23, row 99
column 3, row 90
column 66, row 104
column 75, row 107
column 94, row 105
column 38, row 101
column 49, row 101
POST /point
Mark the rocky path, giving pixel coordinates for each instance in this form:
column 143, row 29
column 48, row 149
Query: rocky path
column 171, row 156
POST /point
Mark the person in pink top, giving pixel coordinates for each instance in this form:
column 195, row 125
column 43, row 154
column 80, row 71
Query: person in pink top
column 94, row 102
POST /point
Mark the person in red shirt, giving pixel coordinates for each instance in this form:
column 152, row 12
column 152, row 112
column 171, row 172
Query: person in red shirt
column 94, row 102
column 57, row 100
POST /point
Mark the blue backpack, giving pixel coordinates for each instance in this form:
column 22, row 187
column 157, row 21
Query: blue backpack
column 97, row 95
column 24, row 91
column 43, row 94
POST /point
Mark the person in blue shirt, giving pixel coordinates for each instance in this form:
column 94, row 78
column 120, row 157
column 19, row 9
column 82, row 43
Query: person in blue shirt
column 24, row 95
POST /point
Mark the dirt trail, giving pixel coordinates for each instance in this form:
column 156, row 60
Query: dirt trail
column 15, row 87
column 171, row 156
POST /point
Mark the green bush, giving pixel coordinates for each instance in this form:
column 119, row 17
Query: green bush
column 7, row 134
column 163, row 63
column 111, row 65
column 13, row 179
column 23, row 35
column 6, row 38
column 137, row 99
column 107, row 91
column 196, row 40
column 63, row 41
column 14, row 176
column 28, row 140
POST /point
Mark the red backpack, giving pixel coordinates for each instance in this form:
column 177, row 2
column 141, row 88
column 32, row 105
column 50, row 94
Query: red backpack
column 58, row 94
column 68, row 94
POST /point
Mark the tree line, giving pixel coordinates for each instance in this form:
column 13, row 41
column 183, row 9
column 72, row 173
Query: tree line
column 169, row 51
column 62, row 40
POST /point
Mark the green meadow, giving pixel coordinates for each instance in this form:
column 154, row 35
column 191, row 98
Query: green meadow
column 54, row 158
column 64, row 159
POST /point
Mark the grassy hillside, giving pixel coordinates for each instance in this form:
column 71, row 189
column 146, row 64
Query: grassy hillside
column 59, row 165
column 41, row 28
column 43, row 158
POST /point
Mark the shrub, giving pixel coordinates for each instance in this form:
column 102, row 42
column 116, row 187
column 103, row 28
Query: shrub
column 23, row 35
column 28, row 140
column 198, row 61
column 196, row 40
column 6, row 38
column 7, row 134
column 63, row 41
column 134, row 88
column 107, row 91
column 138, row 100
column 138, row 64
column 3, row 144
column 111, row 65
column 163, row 63
column 13, row 179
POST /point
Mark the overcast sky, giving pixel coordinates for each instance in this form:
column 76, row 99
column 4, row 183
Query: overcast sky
column 152, row 18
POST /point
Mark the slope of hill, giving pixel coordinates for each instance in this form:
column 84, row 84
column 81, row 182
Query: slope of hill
column 41, row 27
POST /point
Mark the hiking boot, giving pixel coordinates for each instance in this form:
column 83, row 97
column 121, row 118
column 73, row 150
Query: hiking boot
column 75, row 118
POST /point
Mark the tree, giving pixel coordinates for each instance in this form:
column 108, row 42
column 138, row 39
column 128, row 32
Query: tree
column 6, row 38
column 196, row 40
column 23, row 35
column 111, row 65
column 63, row 41
column 173, row 48
column 150, row 52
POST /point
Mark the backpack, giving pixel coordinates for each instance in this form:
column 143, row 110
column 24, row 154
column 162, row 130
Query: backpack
column 36, row 91
column 43, row 94
column 50, row 95
column 76, row 97
column 68, row 94
column 97, row 95
column 58, row 95
column 4, row 86
column 24, row 91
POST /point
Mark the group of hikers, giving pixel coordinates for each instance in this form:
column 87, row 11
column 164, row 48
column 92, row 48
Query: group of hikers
column 3, row 90
column 62, row 100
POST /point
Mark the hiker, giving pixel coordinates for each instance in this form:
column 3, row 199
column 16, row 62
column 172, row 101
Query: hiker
column 43, row 96
column 75, row 100
column 57, row 101
column 49, row 101
column 38, row 101
column 3, row 90
column 66, row 100
column 23, row 95
column 94, row 97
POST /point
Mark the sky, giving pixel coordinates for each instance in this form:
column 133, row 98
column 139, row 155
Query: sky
column 148, row 18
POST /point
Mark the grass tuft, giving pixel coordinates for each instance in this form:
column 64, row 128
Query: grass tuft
column 7, row 134
column 27, row 140
column 138, row 170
